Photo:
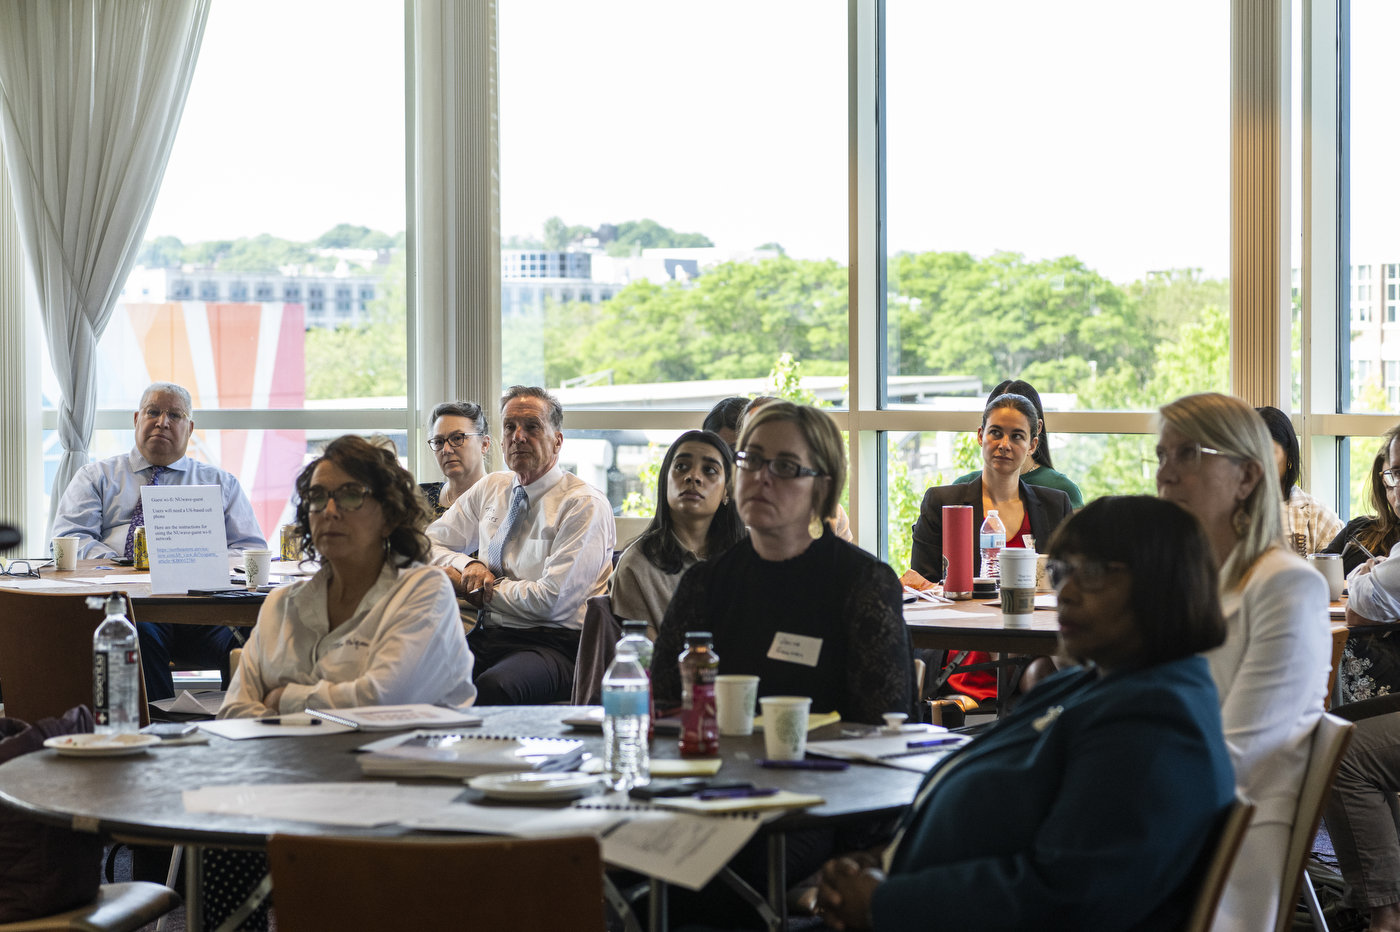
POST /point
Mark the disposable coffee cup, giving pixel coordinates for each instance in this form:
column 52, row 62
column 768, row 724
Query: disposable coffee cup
column 1017, row 584
column 257, row 565
column 785, row 726
column 65, row 553
column 735, row 697
column 1042, row 571
column 1330, row 566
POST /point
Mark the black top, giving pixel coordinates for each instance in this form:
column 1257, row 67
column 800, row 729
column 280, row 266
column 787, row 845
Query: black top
column 1046, row 507
column 1353, row 557
column 432, row 491
column 834, row 591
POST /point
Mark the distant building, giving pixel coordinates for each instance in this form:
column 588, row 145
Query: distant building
column 331, row 299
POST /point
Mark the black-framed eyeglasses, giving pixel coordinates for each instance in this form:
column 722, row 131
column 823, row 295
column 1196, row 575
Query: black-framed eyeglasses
column 1391, row 478
column 1092, row 574
column 782, row 468
column 13, row 569
column 1187, row 456
column 348, row 497
column 454, row 440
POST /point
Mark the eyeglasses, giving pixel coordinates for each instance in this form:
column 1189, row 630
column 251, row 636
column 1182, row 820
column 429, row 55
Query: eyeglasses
column 13, row 569
column 1391, row 478
column 1092, row 574
column 347, row 498
column 452, row 440
column 1187, row 456
column 783, row 469
column 176, row 415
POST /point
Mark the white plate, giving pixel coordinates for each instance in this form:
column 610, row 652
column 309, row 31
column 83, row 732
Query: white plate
column 101, row 745
column 540, row 786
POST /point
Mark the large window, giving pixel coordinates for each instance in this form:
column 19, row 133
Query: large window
column 1058, row 201
column 673, row 199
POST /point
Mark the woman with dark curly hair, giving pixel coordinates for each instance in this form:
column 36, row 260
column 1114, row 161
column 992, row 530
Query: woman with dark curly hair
column 374, row 626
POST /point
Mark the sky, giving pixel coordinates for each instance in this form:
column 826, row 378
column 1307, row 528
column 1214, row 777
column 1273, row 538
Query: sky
column 1098, row 128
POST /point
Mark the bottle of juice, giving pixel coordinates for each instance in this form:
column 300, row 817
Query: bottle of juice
column 699, row 723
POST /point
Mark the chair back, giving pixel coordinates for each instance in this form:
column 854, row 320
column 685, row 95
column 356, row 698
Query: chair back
column 628, row 530
column 596, row 646
column 372, row 884
column 1213, row 869
column 1330, row 739
column 46, row 653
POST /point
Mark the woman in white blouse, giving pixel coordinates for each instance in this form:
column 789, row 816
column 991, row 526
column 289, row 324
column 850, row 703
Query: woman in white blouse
column 374, row 626
column 1215, row 458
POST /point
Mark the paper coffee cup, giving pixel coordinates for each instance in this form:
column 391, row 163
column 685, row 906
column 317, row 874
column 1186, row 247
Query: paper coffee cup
column 735, row 696
column 1017, row 584
column 1042, row 571
column 65, row 553
column 785, row 726
column 257, row 564
column 1330, row 566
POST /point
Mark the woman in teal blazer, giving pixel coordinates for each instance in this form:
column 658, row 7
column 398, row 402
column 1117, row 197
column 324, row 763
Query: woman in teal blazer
column 1087, row 807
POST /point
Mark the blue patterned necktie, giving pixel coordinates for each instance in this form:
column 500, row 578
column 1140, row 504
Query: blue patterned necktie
column 138, row 515
column 496, row 551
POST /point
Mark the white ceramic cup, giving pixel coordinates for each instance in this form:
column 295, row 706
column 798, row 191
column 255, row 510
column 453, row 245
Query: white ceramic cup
column 785, row 726
column 1330, row 566
column 735, row 697
column 65, row 553
column 257, row 564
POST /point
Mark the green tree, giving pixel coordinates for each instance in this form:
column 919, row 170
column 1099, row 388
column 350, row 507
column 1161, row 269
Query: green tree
column 902, row 509
column 786, row 379
column 163, row 252
column 369, row 361
column 558, row 235
column 636, row 235
column 349, row 236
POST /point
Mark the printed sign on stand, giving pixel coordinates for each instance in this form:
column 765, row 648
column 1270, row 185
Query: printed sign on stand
column 186, row 537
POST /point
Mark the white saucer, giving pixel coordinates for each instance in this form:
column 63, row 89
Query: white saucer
column 101, row 745
column 536, row 786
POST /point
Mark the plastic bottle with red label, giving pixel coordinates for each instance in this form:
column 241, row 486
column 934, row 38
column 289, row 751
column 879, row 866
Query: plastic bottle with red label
column 699, row 722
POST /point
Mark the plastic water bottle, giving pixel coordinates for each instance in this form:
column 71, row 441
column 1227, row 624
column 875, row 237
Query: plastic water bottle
column 993, row 538
column 116, row 669
column 634, row 638
column 626, row 718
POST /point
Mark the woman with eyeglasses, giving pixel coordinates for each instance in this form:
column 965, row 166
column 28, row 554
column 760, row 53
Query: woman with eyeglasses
column 696, row 519
column 1009, row 435
column 460, row 440
column 1086, row 807
column 1215, row 458
column 792, row 579
column 374, row 626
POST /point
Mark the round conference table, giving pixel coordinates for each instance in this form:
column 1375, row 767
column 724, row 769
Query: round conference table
column 138, row 798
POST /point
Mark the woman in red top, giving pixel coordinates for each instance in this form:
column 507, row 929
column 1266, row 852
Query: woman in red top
column 1010, row 433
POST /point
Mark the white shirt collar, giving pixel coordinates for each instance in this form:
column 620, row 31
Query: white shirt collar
column 543, row 484
column 139, row 462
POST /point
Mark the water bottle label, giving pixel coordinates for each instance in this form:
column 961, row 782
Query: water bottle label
column 993, row 540
column 625, row 702
column 100, row 712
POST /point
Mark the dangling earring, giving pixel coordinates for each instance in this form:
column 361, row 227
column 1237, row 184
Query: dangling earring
column 814, row 528
column 1239, row 521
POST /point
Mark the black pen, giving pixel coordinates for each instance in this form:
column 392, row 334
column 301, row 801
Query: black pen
column 278, row 721
column 935, row 742
column 805, row 764
column 1362, row 548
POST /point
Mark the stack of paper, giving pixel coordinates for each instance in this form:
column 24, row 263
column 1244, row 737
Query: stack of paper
column 434, row 754
column 397, row 717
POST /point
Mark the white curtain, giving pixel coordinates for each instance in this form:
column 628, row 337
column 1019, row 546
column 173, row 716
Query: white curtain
column 91, row 93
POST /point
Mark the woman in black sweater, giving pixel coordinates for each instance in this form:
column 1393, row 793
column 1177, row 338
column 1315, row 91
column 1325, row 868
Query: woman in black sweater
column 838, row 609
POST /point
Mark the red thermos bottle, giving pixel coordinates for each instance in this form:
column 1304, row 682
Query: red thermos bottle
column 957, row 551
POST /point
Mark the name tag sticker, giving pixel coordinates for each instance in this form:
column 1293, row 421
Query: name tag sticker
column 795, row 648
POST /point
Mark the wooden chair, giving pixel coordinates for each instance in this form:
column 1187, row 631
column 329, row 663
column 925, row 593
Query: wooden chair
column 373, row 884
column 1331, row 737
column 120, row 907
column 46, row 653
column 1216, row 870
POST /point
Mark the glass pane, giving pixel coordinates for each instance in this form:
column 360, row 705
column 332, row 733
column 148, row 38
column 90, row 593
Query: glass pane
column 273, row 270
column 622, row 464
column 1361, row 456
column 1058, row 206
column 667, row 245
column 1371, row 379
column 265, row 462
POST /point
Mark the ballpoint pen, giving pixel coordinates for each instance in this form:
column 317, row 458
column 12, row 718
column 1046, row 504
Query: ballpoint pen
column 936, row 742
column 1362, row 547
column 737, row 793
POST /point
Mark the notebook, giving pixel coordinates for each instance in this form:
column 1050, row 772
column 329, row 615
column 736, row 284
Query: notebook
column 892, row 750
column 439, row 754
column 396, row 717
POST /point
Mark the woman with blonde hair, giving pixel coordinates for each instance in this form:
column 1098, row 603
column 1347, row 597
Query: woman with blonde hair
column 1215, row 458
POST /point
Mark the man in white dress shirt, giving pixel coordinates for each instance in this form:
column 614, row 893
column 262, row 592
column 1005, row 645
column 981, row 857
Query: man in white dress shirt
column 102, row 507
column 544, row 540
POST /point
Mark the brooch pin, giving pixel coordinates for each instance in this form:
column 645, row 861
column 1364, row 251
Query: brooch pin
column 1048, row 719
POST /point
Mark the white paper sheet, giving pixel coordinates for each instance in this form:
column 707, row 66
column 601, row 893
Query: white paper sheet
column 196, row 702
column 358, row 804
column 116, row 579
column 687, row 850
column 522, row 821
column 29, row 582
column 186, row 537
column 240, row 729
column 889, row 750
column 918, row 612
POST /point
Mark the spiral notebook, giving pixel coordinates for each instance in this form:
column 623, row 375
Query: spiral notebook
column 397, row 717
column 439, row 754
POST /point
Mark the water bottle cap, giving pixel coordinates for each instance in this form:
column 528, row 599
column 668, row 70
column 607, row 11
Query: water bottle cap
column 992, row 512
column 634, row 627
